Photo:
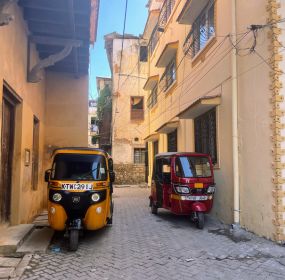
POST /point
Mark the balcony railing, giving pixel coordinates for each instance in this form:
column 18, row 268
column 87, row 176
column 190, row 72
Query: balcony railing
column 137, row 114
column 165, row 12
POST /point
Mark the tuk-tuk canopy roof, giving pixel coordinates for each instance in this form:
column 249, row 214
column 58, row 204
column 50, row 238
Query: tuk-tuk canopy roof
column 80, row 149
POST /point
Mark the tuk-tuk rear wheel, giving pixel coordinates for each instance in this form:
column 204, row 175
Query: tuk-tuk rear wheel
column 73, row 239
column 200, row 220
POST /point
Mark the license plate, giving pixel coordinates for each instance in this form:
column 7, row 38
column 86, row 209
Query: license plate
column 77, row 187
column 198, row 185
column 195, row 198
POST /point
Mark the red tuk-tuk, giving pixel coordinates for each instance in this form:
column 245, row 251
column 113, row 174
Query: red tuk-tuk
column 184, row 184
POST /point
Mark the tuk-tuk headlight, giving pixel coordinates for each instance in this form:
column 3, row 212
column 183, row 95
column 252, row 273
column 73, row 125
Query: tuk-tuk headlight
column 57, row 197
column 95, row 197
column 211, row 189
column 182, row 189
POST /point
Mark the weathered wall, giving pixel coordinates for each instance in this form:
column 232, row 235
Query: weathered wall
column 66, row 108
column 126, row 130
column 13, row 70
column 129, row 174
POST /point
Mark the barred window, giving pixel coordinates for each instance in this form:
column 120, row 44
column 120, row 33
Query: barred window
column 139, row 156
column 202, row 30
column 152, row 100
column 172, row 141
column 205, row 134
column 169, row 76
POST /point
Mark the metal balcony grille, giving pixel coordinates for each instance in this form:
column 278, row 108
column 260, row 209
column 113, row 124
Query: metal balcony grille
column 165, row 12
column 153, row 40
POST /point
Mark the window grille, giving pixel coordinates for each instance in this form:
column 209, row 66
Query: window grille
column 152, row 100
column 139, row 156
column 153, row 39
column 205, row 134
column 165, row 12
column 172, row 141
column 202, row 30
column 169, row 76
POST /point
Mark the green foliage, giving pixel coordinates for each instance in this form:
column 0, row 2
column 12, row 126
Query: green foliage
column 104, row 102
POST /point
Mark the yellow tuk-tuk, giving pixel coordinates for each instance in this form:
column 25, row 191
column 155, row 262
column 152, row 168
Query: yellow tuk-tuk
column 80, row 191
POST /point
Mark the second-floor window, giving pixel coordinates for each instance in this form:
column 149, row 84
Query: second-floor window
column 202, row 29
column 152, row 100
column 137, row 108
column 169, row 76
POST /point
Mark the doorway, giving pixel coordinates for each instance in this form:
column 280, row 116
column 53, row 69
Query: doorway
column 7, row 148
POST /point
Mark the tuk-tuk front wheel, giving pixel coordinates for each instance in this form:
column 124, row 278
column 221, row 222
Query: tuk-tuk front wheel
column 200, row 222
column 73, row 239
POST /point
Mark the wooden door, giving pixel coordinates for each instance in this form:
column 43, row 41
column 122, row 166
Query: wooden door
column 7, row 147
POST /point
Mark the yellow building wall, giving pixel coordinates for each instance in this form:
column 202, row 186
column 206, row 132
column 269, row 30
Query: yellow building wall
column 13, row 71
column 210, row 73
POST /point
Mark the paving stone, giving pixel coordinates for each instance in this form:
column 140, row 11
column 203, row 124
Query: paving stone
column 9, row 262
column 141, row 246
column 6, row 272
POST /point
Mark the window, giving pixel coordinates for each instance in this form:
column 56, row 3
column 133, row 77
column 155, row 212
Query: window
column 172, row 141
column 35, row 154
column 166, row 11
column 137, row 108
column 93, row 120
column 69, row 167
column 152, row 100
column 202, row 30
column 205, row 134
column 169, row 76
column 153, row 39
column 143, row 53
column 94, row 140
column 139, row 155
column 192, row 167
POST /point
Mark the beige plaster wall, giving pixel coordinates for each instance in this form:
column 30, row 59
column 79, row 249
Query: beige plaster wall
column 66, row 108
column 126, row 130
column 13, row 70
column 254, row 126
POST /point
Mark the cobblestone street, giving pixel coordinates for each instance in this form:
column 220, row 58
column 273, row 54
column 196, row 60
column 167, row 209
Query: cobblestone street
column 140, row 245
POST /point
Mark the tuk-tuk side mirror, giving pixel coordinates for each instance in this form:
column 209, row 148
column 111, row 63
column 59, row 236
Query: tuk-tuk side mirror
column 47, row 175
column 112, row 176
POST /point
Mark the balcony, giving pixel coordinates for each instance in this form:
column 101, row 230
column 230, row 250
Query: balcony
column 165, row 12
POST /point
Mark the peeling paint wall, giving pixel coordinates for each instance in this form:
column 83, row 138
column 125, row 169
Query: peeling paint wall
column 127, row 133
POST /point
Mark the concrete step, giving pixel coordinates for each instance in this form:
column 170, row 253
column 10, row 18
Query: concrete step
column 12, row 237
column 38, row 241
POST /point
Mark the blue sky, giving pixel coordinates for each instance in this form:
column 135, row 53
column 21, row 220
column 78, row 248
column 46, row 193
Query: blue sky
column 111, row 18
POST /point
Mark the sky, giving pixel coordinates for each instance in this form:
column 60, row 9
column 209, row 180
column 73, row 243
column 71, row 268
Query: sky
column 111, row 18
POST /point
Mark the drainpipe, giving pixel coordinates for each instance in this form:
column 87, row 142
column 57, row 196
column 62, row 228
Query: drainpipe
column 235, row 121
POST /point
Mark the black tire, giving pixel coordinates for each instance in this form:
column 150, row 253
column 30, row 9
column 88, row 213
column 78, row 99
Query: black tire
column 73, row 239
column 200, row 220
column 153, row 209
column 110, row 220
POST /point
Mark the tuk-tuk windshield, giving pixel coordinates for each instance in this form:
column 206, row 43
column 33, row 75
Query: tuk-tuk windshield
column 70, row 167
column 192, row 167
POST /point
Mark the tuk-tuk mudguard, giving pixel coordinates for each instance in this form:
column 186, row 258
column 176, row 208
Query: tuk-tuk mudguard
column 199, row 207
column 57, row 216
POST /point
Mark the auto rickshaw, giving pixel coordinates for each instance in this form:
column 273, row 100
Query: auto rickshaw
column 184, row 184
column 80, row 191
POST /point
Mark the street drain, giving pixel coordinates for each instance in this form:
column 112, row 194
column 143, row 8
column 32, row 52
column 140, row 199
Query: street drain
column 234, row 235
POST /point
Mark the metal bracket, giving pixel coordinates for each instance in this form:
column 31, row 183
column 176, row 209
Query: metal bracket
column 34, row 75
column 5, row 18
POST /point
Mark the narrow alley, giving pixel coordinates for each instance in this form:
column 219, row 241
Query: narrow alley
column 142, row 246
